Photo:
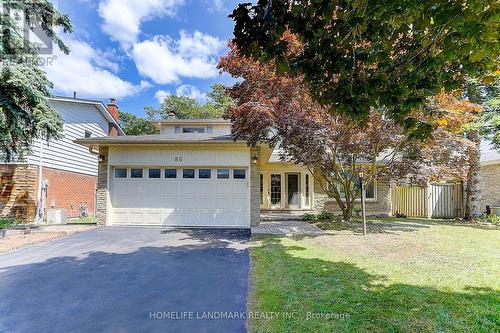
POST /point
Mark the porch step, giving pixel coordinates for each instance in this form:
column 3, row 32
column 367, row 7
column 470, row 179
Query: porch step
column 282, row 216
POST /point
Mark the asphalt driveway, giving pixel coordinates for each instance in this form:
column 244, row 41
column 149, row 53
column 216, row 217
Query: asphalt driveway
column 128, row 280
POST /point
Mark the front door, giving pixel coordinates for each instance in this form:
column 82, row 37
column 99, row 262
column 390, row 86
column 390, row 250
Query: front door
column 275, row 191
column 293, row 190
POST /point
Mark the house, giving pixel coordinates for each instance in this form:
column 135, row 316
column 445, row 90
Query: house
column 490, row 176
column 195, row 174
column 59, row 173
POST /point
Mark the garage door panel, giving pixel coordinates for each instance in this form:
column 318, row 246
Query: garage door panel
column 180, row 202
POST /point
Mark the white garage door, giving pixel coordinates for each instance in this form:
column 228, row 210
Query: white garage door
column 199, row 197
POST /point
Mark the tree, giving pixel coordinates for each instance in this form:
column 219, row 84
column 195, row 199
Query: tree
column 188, row 108
column 357, row 55
column 133, row 125
column 487, row 95
column 278, row 110
column 24, row 87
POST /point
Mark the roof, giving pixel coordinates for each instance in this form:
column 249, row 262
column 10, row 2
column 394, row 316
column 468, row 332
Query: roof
column 98, row 104
column 178, row 121
column 179, row 138
column 488, row 154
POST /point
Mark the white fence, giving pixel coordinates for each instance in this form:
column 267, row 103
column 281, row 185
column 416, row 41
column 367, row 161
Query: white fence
column 443, row 201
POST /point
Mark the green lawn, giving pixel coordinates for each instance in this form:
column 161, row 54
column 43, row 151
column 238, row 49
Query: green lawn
column 406, row 276
column 83, row 220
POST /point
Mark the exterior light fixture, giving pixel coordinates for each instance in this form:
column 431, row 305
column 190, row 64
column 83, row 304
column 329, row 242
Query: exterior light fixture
column 254, row 159
column 101, row 158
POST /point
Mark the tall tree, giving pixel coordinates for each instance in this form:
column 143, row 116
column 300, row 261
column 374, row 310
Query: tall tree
column 357, row 54
column 187, row 108
column 24, row 112
column 134, row 125
column 277, row 109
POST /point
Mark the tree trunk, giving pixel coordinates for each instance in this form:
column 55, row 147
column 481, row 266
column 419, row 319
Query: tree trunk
column 472, row 190
column 347, row 212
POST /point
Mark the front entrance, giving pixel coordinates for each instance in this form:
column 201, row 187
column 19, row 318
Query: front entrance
column 285, row 190
column 293, row 190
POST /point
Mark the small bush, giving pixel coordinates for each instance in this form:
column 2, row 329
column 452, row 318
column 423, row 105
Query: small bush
column 357, row 210
column 309, row 217
column 492, row 218
column 325, row 216
column 5, row 223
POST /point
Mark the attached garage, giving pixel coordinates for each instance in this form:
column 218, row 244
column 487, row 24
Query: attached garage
column 189, row 196
column 179, row 185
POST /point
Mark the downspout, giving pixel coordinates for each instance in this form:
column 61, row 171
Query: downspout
column 39, row 208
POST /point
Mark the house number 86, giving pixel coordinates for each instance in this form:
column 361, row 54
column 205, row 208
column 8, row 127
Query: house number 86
column 178, row 158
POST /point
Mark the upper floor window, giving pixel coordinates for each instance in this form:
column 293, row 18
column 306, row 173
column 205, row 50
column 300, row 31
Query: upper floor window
column 88, row 134
column 193, row 130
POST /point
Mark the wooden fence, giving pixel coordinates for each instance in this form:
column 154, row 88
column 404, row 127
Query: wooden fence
column 443, row 201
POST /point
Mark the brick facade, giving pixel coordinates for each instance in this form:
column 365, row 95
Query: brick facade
column 68, row 189
column 102, row 188
column 380, row 206
column 490, row 186
column 18, row 192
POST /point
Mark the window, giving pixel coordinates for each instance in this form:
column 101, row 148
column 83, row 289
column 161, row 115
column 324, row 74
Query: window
column 370, row 192
column 170, row 173
column 188, row 173
column 193, row 130
column 154, row 173
column 239, row 173
column 209, row 129
column 135, row 173
column 223, row 173
column 204, row 173
column 120, row 173
column 88, row 134
column 307, row 190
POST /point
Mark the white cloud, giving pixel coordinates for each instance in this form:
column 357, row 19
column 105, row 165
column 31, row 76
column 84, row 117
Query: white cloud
column 160, row 95
column 165, row 60
column 89, row 72
column 192, row 92
column 216, row 5
column 123, row 18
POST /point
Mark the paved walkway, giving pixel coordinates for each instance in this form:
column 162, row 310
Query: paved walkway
column 127, row 280
column 286, row 228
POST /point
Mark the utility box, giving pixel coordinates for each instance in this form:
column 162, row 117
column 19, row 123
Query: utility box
column 56, row 216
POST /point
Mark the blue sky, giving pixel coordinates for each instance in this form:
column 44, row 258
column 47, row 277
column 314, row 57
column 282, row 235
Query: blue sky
column 139, row 51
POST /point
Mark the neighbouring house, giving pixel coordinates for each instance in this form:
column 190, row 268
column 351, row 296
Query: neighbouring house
column 60, row 173
column 490, row 176
column 195, row 174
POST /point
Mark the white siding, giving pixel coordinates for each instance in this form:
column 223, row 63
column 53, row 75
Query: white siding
column 217, row 129
column 64, row 154
column 178, row 155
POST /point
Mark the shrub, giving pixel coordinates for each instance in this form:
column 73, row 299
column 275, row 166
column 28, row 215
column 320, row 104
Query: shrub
column 309, row 217
column 357, row 210
column 492, row 218
column 325, row 216
column 5, row 223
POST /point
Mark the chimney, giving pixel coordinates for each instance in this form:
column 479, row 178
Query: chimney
column 113, row 110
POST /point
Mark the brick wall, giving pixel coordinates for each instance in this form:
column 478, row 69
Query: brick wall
column 68, row 189
column 380, row 206
column 490, row 186
column 18, row 192
column 102, row 188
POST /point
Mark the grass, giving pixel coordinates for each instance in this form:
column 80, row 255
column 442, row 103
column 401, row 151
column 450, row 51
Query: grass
column 405, row 276
column 83, row 220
